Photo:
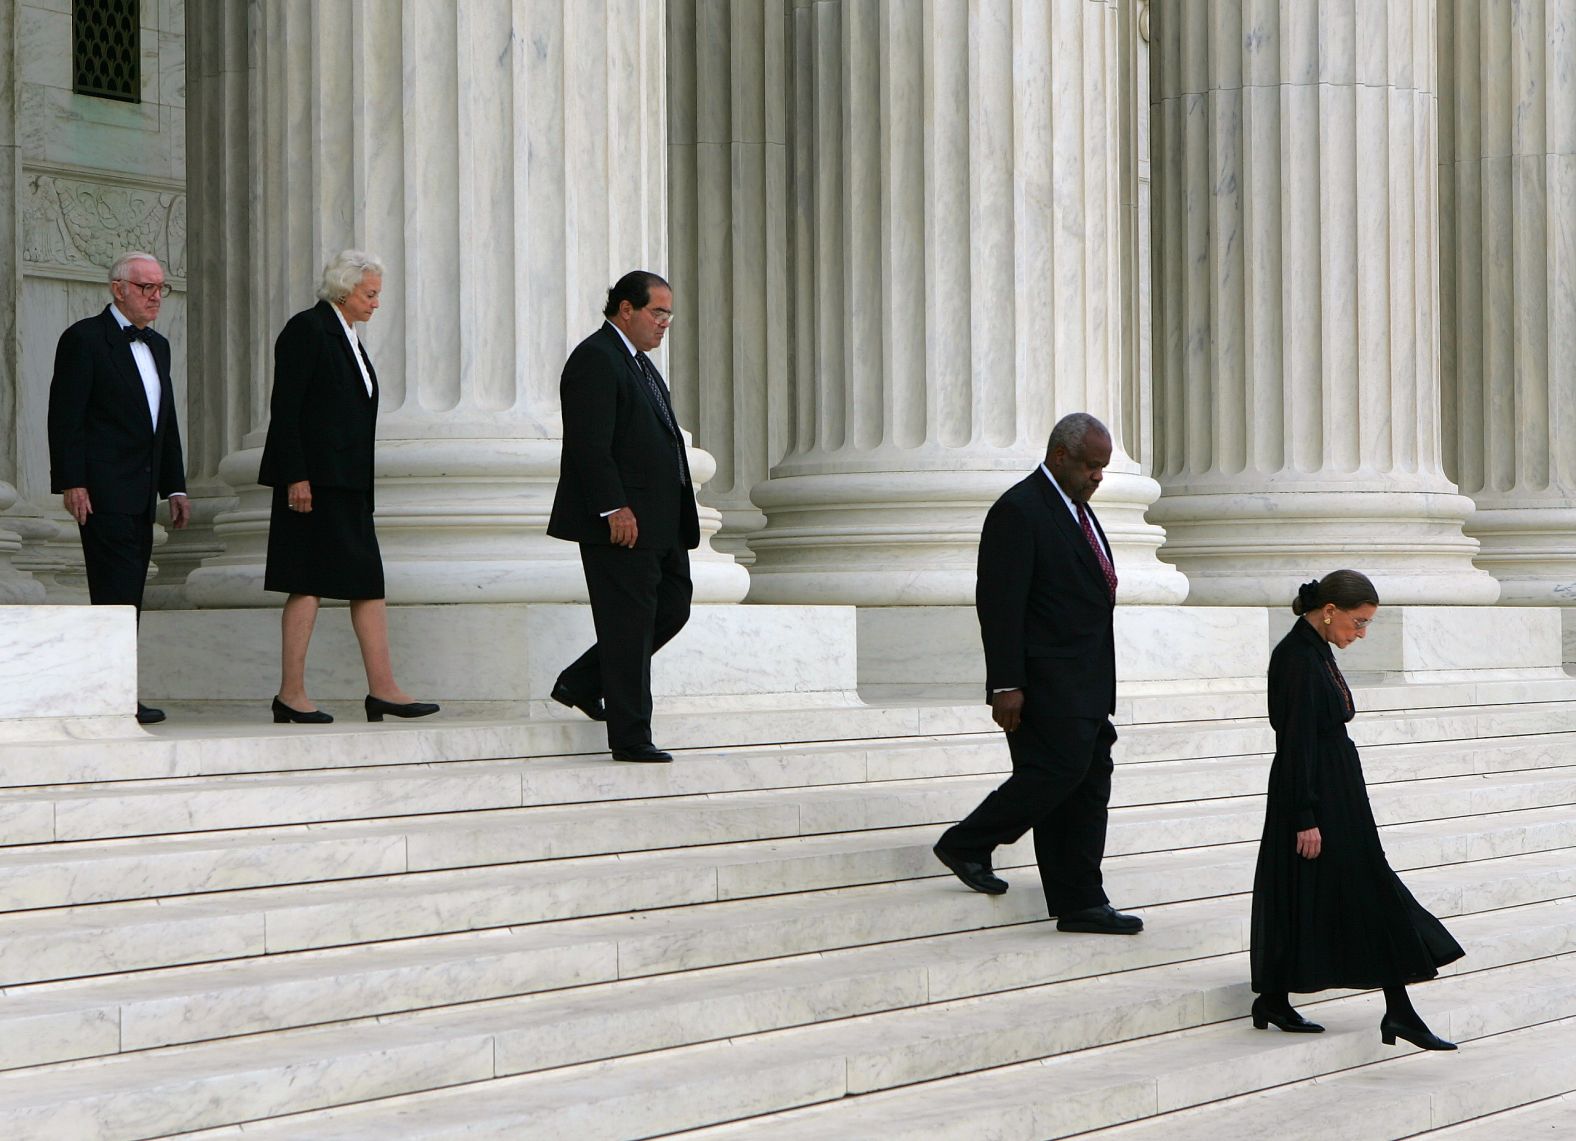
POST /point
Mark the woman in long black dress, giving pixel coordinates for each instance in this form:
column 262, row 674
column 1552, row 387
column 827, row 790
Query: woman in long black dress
column 318, row 460
column 1327, row 909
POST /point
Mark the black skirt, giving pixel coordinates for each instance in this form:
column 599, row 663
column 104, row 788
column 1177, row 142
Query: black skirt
column 330, row 551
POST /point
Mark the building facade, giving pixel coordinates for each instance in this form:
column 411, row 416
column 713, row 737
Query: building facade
column 1312, row 262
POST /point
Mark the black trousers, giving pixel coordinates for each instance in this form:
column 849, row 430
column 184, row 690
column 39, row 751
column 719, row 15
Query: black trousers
column 116, row 550
column 1060, row 787
column 639, row 600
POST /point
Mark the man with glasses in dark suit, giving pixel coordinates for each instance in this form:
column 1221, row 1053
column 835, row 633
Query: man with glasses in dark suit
column 624, row 494
column 114, row 445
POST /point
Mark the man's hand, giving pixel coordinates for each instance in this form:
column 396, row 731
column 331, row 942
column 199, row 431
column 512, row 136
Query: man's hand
column 77, row 503
column 299, row 496
column 621, row 525
column 180, row 511
column 1006, row 709
column 1309, row 843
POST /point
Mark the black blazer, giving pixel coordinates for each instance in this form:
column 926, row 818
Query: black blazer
column 619, row 452
column 1045, row 612
column 321, row 422
column 100, row 434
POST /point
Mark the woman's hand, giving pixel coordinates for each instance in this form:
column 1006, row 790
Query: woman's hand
column 299, row 496
column 1309, row 843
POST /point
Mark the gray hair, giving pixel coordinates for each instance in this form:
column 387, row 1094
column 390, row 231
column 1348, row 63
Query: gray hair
column 344, row 272
column 118, row 268
column 1071, row 431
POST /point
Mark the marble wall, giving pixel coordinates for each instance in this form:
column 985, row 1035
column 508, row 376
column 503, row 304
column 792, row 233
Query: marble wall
column 91, row 178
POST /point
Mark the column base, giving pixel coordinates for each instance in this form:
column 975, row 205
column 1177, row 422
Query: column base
column 1531, row 551
column 458, row 521
column 911, row 538
column 1243, row 549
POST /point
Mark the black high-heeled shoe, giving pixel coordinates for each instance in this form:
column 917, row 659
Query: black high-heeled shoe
column 283, row 713
column 1288, row 1020
column 1420, row 1036
column 376, row 707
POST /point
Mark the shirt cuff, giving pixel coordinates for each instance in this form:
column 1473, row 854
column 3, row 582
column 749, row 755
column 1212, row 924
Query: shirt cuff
column 173, row 494
column 615, row 511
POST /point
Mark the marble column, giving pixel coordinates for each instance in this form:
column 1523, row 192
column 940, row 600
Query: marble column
column 955, row 287
column 15, row 585
column 1296, row 284
column 225, row 340
column 728, row 239
column 1507, row 192
column 507, row 162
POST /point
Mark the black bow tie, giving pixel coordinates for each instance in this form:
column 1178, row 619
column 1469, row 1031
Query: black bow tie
column 135, row 334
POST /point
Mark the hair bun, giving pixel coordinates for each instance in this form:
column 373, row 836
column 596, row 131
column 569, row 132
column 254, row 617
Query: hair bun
column 1308, row 596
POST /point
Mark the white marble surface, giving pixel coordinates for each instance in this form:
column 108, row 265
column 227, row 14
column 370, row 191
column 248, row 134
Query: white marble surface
column 504, row 653
column 1159, row 649
column 1442, row 643
column 67, row 662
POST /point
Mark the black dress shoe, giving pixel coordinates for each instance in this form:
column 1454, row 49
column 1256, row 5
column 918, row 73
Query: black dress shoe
column 285, row 714
column 1102, row 920
column 642, row 754
column 147, row 715
column 1419, row 1035
column 1288, row 1020
column 974, row 873
column 376, row 707
column 591, row 707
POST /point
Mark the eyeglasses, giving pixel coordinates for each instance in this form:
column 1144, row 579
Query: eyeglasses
column 1361, row 623
column 149, row 288
column 663, row 316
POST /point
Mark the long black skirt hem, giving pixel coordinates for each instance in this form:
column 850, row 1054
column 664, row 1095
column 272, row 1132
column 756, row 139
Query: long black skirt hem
column 330, row 551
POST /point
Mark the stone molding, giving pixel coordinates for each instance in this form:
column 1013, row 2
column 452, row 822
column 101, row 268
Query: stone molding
column 75, row 223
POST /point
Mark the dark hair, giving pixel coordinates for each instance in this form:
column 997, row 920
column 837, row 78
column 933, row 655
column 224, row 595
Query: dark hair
column 1072, row 430
column 1347, row 589
column 635, row 288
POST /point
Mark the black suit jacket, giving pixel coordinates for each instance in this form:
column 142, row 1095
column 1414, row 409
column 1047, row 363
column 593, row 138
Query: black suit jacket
column 1045, row 612
column 101, row 436
column 619, row 452
column 321, row 422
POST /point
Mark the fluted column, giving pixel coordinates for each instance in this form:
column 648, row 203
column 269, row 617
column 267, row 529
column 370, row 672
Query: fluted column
column 507, row 162
column 728, row 227
column 1296, row 284
column 1507, row 192
column 956, row 267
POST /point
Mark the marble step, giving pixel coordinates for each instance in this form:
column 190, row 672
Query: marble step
column 1403, row 1098
column 1494, row 1015
column 1550, row 1118
column 176, row 807
column 157, row 1008
column 888, row 1054
column 103, row 938
column 914, row 1037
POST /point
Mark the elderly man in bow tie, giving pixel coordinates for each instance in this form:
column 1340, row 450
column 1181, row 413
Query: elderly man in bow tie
column 114, row 445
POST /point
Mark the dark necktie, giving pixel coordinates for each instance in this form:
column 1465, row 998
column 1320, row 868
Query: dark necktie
column 648, row 372
column 135, row 334
column 1099, row 549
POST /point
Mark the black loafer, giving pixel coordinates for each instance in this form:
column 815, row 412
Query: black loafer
column 376, row 707
column 974, row 873
column 1102, row 920
column 591, row 707
column 147, row 715
column 285, row 714
column 643, row 754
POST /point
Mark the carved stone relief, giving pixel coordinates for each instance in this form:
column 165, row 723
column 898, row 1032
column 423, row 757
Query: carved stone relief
column 78, row 224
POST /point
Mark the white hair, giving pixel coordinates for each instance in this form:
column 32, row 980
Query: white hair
column 344, row 272
column 117, row 269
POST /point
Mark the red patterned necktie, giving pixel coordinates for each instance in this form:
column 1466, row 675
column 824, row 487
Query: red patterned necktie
column 1099, row 549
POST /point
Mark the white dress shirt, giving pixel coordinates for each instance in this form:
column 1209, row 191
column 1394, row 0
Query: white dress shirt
column 355, row 347
column 143, row 355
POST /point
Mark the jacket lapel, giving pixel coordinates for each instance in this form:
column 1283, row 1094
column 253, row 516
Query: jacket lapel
column 1068, row 526
column 119, row 349
column 664, row 411
column 336, row 332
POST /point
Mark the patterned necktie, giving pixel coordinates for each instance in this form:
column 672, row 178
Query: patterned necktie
column 1099, row 550
column 648, row 371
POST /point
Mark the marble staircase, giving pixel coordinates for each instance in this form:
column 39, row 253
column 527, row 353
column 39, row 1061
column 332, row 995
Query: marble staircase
column 488, row 929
